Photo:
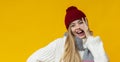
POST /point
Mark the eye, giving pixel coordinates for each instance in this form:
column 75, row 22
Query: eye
column 80, row 22
column 72, row 25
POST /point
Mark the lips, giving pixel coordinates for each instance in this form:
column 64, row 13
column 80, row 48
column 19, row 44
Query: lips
column 80, row 32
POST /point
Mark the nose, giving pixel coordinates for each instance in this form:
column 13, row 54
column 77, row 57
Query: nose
column 77, row 26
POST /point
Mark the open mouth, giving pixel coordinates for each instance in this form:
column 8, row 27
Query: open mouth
column 80, row 32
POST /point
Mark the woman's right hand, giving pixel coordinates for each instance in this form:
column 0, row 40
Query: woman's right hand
column 86, row 28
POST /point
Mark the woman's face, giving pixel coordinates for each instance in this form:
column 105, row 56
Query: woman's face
column 76, row 26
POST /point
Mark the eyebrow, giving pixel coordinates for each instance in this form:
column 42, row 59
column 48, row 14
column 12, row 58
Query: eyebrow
column 72, row 23
column 77, row 21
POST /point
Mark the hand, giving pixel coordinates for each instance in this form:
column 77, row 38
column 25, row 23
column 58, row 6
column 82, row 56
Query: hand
column 86, row 28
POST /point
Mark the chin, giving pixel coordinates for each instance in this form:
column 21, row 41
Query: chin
column 82, row 37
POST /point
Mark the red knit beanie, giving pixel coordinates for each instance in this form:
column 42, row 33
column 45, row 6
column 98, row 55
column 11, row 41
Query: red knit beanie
column 72, row 13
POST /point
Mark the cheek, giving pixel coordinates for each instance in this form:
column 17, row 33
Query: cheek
column 73, row 31
column 82, row 25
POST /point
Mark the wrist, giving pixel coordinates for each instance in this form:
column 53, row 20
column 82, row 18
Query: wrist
column 88, row 33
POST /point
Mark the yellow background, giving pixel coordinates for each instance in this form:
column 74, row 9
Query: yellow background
column 27, row 25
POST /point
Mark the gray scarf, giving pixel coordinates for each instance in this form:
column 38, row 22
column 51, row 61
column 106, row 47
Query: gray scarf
column 87, row 57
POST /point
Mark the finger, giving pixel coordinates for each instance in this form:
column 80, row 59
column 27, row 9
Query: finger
column 86, row 20
column 83, row 21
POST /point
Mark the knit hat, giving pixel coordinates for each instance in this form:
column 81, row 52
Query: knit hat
column 72, row 13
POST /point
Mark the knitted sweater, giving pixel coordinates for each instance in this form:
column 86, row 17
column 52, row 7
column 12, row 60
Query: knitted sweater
column 54, row 51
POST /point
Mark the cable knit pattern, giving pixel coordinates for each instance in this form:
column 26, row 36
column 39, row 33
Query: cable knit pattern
column 54, row 51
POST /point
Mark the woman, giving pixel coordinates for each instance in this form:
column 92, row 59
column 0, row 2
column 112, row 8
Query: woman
column 78, row 45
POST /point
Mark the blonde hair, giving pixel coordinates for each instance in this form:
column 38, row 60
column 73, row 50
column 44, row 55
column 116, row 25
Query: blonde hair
column 71, row 53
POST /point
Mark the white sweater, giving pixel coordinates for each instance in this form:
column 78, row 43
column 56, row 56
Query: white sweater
column 54, row 51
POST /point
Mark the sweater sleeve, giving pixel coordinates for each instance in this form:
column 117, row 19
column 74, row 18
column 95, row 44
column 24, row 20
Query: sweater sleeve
column 95, row 45
column 45, row 54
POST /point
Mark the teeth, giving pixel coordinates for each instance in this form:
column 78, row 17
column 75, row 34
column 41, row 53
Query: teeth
column 78, row 32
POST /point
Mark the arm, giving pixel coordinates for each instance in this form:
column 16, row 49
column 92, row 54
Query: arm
column 95, row 45
column 45, row 54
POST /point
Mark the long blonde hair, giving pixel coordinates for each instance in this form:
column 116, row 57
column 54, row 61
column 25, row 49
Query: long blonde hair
column 71, row 53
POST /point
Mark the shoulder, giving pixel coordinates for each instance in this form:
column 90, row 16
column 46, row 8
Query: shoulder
column 56, row 42
column 59, row 40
